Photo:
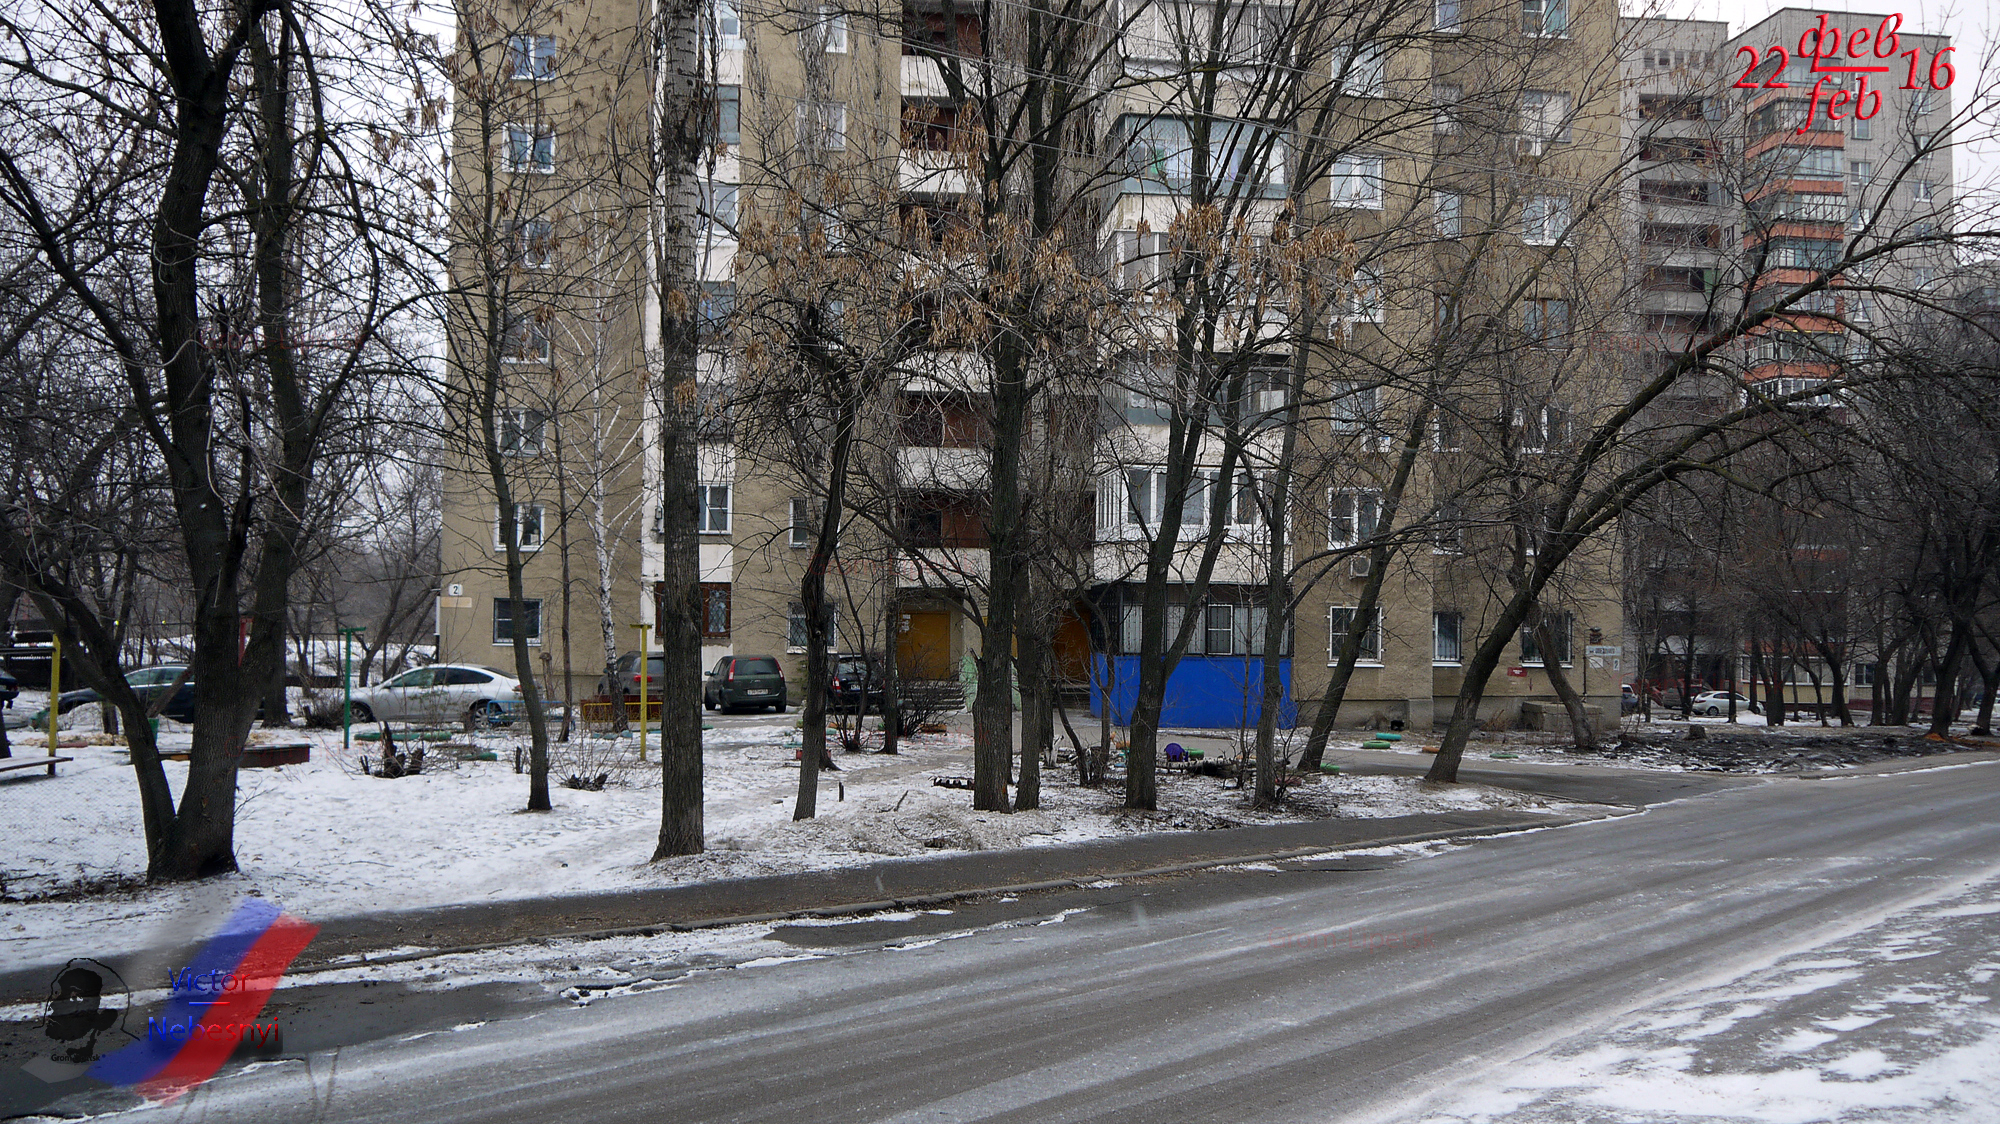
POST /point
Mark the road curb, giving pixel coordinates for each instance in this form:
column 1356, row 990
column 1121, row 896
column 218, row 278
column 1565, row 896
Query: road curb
column 850, row 909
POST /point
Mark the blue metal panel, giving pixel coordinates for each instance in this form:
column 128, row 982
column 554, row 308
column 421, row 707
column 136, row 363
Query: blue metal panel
column 1204, row 691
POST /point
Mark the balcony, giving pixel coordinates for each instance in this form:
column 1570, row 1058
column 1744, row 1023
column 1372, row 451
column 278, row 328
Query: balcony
column 933, row 468
column 922, row 78
column 924, row 172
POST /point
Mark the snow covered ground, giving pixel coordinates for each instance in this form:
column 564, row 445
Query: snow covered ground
column 325, row 840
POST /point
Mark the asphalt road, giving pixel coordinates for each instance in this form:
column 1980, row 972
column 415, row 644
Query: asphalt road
column 1359, row 988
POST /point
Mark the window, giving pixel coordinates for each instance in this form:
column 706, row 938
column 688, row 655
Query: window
column 1338, row 618
column 802, row 523
column 715, row 610
column 823, row 126
column 726, row 117
column 1141, row 258
column 530, row 149
column 1448, row 533
column 832, row 28
column 520, row 432
column 713, row 518
column 504, row 614
column 1159, row 151
column 1546, row 322
column 1802, row 253
column 1146, row 498
column 1359, row 69
column 525, row 340
column 1445, row 628
column 1351, row 517
column 1447, row 18
column 531, row 57
column 1357, row 182
column 1922, row 100
column 1544, row 219
column 1923, row 191
column 725, row 25
column 530, row 243
column 1813, row 162
column 1244, row 511
column 1446, row 96
column 718, row 303
column 1674, row 191
column 527, row 527
column 1361, row 299
column 1220, row 626
column 796, row 636
column 1560, row 626
column 1864, row 128
column 1450, row 214
column 1542, row 428
column 718, row 209
column 1810, row 390
column 1545, row 18
column 1354, row 406
column 1545, row 116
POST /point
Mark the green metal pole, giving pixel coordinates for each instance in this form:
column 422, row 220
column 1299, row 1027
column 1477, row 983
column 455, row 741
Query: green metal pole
column 55, row 688
column 347, row 687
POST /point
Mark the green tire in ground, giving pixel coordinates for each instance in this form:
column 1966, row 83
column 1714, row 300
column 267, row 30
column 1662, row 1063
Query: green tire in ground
column 1376, row 743
column 1388, row 737
column 1329, row 768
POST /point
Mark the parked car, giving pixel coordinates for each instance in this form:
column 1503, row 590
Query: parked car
column 744, row 681
column 9, row 687
column 442, row 693
column 856, row 678
column 1714, row 703
column 625, row 676
column 1628, row 703
column 149, row 683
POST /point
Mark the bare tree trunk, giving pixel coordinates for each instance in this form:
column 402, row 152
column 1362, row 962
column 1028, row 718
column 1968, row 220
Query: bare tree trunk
column 1579, row 720
column 680, row 127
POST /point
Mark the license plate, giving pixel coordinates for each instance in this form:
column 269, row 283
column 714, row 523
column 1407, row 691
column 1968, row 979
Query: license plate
column 755, row 691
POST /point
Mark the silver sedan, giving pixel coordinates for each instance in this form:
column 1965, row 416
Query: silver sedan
column 446, row 693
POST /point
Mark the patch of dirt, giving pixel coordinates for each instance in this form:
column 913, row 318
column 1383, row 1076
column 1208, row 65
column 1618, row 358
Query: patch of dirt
column 1753, row 750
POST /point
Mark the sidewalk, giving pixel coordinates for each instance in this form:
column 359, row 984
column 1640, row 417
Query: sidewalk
column 924, row 880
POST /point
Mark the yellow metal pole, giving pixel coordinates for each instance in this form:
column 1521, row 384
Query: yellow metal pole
column 55, row 688
column 645, row 684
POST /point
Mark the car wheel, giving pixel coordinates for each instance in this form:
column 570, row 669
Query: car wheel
column 485, row 713
column 1714, row 711
column 361, row 713
column 706, row 703
column 780, row 707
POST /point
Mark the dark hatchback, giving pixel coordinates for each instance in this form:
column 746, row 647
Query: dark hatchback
column 857, row 681
column 737, row 681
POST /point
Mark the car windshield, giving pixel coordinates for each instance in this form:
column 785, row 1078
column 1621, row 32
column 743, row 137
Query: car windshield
column 764, row 665
column 501, row 674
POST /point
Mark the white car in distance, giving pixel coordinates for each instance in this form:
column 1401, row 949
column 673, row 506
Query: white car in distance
column 442, row 693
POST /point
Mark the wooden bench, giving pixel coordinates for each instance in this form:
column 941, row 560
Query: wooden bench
column 9, row 764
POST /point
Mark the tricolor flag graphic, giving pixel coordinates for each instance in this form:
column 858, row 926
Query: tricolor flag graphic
column 254, row 948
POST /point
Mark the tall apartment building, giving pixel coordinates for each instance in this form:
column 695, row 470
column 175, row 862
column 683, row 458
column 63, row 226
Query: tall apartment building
column 1468, row 148
column 1741, row 195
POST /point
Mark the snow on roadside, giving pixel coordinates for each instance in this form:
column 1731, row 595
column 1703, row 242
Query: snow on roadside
column 1890, row 1023
column 326, row 841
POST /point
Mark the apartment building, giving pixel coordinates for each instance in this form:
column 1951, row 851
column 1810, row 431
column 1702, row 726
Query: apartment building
column 1452, row 150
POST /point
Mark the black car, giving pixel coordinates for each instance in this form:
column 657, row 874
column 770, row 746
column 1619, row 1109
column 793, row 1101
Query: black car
column 856, row 679
column 744, row 681
column 9, row 687
column 625, row 677
column 149, row 683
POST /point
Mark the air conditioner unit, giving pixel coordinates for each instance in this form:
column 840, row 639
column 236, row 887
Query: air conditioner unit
column 1360, row 565
column 1529, row 148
